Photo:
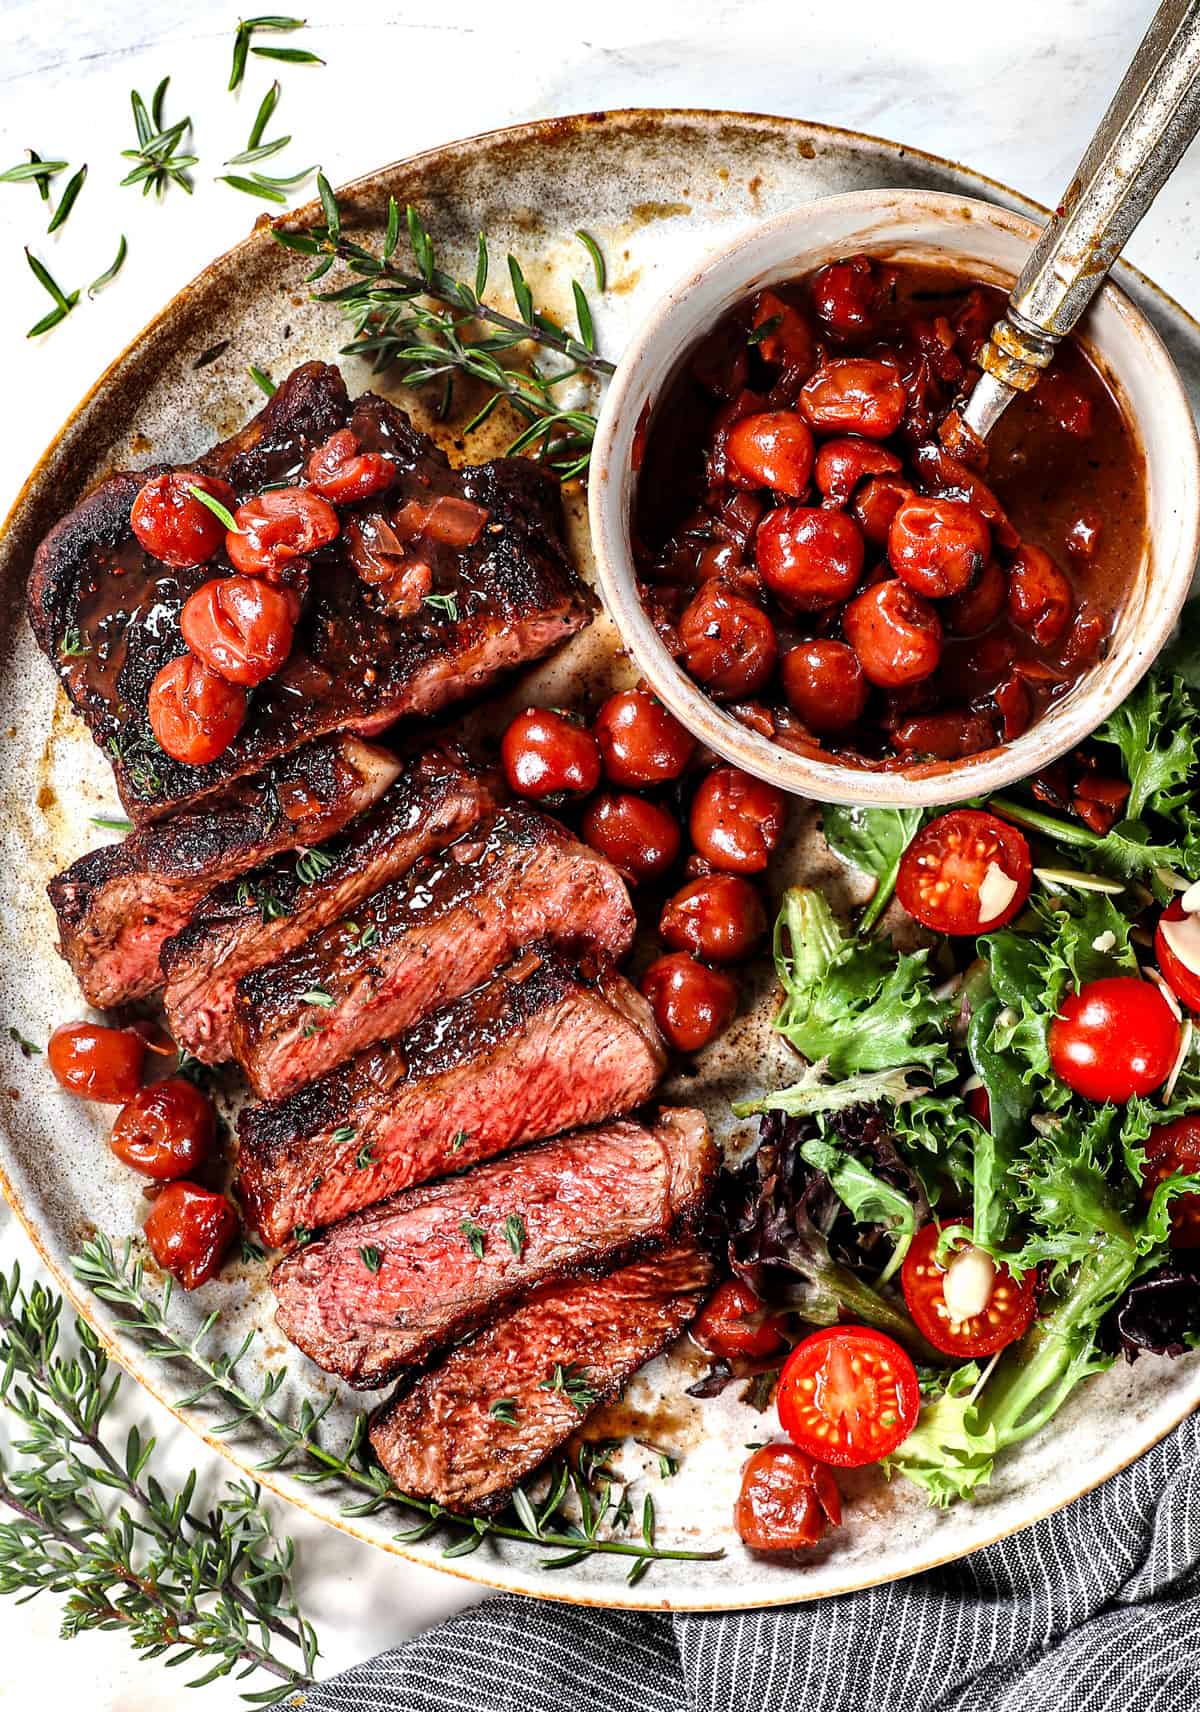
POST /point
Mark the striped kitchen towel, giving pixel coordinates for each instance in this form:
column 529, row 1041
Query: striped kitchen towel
column 1095, row 1609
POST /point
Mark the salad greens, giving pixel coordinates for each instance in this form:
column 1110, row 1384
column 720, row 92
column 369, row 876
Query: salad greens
column 873, row 841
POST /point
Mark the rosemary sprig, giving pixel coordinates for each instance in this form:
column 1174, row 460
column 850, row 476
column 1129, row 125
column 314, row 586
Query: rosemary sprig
column 262, row 380
column 158, row 162
column 97, row 1525
column 120, row 1283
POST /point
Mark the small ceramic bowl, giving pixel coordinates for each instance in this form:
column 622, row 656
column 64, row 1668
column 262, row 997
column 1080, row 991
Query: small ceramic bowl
column 992, row 245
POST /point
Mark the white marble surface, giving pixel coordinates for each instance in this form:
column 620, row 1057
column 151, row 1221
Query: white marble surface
column 1017, row 102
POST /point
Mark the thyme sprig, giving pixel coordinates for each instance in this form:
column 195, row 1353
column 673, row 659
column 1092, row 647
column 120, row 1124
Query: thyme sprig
column 97, row 1525
column 432, row 327
column 119, row 1281
column 159, row 162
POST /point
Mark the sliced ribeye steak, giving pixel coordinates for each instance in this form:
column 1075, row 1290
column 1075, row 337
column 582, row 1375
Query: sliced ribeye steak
column 106, row 612
column 266, row 914
column 550, row 1043
column 569, row 1347
column 383, row 1290
column 118, row 905
column 424, row 939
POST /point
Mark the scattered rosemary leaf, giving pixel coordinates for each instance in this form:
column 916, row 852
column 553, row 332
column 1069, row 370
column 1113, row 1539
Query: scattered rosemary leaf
column 73, row 646
column 252, row 187
column 241, row 41
column 504, row 1409
column 364, row 1157
column 252, row 1250
column 318, row 996
column 311, row 865
column 67, row 200
column 64, row 301
column 262, row 380
column 27, row 1047
column 34, row 171
column 457, row 1140
column 445, row 603
column 301, row 1235
column 756, row 335
column 574, row 1387
column 587, row 331
column 213, row 504
column 212, row 353
column 112, row 822
column 291, row 56
column 371, row 1258
column 475, row 1235
column 593, row 249
column 110, row 273
column 346, row 1132
column 262, row 118
column 515, row 1234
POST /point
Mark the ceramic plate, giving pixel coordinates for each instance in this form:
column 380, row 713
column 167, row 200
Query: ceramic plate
column 656, row 189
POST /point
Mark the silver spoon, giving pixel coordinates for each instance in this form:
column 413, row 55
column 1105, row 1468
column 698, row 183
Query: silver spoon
column 1153, row 117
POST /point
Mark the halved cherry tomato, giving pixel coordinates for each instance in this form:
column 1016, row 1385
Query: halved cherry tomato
column 166, row 1130
column 733, row 1322
column 787, row 1500
column 341, row 472
column 773, row 449
column 194, row 714
column 175, row 526
column 277, row 528
column 1170, row 1148
column 642, row 744
column 546, row 754
column 1114, row 1038
column 719, row 917
column 189, row 1230
column 692, row 1004
column 95, row 1062
column 638, row 837
column 1183, row 982
column 848, row 1396
column 736, row 820
column 241, row 627
column 966, row 872
column 1008, row 1315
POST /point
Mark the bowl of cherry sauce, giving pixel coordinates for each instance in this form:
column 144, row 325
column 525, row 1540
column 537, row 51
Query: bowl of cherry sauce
column 813, row 583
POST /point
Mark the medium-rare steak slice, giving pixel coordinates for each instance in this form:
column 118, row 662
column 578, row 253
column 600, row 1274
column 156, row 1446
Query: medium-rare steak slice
column 385, row 1289
column 569, row 1347
column 116, row 906
column 107, row 613
column 421, row 941
column 549, row 1044
column 266, row 914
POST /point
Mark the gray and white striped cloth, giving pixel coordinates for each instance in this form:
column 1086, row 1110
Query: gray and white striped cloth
column 1095, row 1609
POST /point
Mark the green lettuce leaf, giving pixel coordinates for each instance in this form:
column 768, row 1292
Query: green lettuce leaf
column 872, row 840
column 1157, row 730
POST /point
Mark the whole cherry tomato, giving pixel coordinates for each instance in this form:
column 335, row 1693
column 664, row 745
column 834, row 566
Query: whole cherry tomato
column 843, row 462
column 875, row 503
column 166, row 1130
column 976, row 609
column 1177, row 928
column 733, row 1322
column 1114, row 1038
column 729, row 643
column 719, row 917
column 825, row 684
column 736, row 820
column 1039, row 595
column 692, row 1004
column 1171, row 1148
column 854, row 395
column 194, row 714
column 189, row 1230
column 173, row 525
column 895, row 633
column 640, row 742
column 277, row 528
column 966, row 872
column 808, row 557
column 938, row 546
column 849, row 294
column 774, row 449
column 994, row 1308
column 546, row 754
column 341, row 472
column 95, row 1062
column 638, row 837
column 241, row 627
column 848, row 1396
column 787, row 1502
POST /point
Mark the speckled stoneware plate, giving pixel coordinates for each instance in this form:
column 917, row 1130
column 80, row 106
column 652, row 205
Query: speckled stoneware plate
column 657, row 189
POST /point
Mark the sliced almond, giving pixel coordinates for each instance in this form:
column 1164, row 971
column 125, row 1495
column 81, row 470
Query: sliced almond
column 968, row 1284
column 996, row 892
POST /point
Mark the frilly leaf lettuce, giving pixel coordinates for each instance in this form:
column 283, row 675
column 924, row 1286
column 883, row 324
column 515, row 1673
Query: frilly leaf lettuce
column 1157, row 730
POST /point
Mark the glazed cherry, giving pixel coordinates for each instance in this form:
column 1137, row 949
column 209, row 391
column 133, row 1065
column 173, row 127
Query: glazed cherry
column 854, row 395
column 896, row 635
column 978, row 608
column 784, row 335
column 95, row 1062
column 729, row 643
column 166, row 1130
column 733, row 1323
column 546, row 754
column 843, row 462
column 938, row 546
column 641, row 743
column 638, row 837
column 946, row 736
column 240, row 627
column 277, row 528
column 189, row 1230
column 173, row 525
column 736, row 821
column 808, row 557
column 787, row 1502
column 719, row 918
column 875, row 504
column 772, row 450
column 692, row 1005
column 341, row 472
column 825, row 684
column 1039, row 595
column 848, row 295
column 194, row 714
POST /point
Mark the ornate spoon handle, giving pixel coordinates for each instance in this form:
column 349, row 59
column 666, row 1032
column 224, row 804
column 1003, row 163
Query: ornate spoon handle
column 1153, row 117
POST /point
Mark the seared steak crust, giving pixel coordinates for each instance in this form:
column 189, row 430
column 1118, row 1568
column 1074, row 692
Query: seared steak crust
column 267, row 914
column 584, row 1202
column 548, row 1044
column 438, row 1440
column 509, row 598
column 424, row 939
column 116, row 906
